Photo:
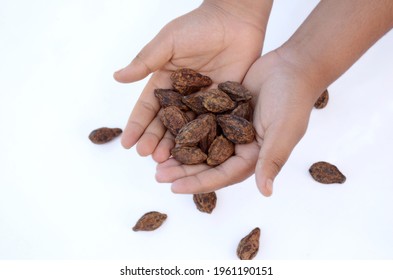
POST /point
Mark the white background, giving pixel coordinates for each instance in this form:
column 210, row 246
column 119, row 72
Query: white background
column 61, row 197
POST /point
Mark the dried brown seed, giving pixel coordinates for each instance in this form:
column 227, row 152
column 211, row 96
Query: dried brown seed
column 194, row 101
column 187, row 81
column 188, row 155
column 150, row 221
column 169, row 97
column 173, row 119
column 243, row 110
column 104, row 135
column 236, row 129
column 205, row 202
column 220, row 150
column 326, row 173
column 249, row 245
column 193, row 132
column 322, row 100
column 236, row 91
column 206, row 141
column 217, row 101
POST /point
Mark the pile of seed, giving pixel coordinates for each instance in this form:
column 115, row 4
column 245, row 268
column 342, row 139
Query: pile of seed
column 220, row 120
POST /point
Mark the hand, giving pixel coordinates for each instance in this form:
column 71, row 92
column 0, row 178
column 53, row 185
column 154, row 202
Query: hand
column 220, row 39
column 287, row 83
column 284, row 98
column 281, row 114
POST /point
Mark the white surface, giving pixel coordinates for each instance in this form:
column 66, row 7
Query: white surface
column 61, row 197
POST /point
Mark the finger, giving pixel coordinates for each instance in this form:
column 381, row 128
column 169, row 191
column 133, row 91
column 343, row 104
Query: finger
column 168, row 163
column 175, row 170
column 235, row 169
column 277, row 145
column 151, row 137
column 151, row 58
column 164, row 147
column 145, row 109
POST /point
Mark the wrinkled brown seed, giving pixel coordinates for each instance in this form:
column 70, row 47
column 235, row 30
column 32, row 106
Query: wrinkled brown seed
column 188, row 155
column 195, row 102
column 169, row 97
column 326, row 173
column 104, row 135
column 243, row 110
column 205, row 202
column 217, row 101
column 322, row 101
column 187, row 81
column 220, row 150
column 248, row 247
column 150, row 221
column 206, row 141
column 235, row 90
column 173, row 119
column 236, row 129
column 193, row 132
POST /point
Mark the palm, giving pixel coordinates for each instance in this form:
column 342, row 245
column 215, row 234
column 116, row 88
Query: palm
column 218, row 45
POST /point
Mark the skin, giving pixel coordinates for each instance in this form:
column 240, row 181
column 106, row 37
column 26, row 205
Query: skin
column 286, row 83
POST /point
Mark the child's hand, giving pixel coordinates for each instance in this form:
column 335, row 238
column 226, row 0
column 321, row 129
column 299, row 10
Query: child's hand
column 283, row 99
column 219, row 39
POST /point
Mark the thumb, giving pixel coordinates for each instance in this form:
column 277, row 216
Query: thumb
column 277, row 146
column 151, row 58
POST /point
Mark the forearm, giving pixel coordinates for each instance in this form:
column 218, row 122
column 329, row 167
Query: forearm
column 255, row 12
column 335, row 35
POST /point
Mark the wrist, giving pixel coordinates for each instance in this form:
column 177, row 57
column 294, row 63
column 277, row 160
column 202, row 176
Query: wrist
column 303, row 72
column 335, row 35
column 255, row 12
column 311, row 70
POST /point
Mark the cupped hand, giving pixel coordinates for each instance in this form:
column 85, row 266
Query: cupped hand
column 284, row 98
column 214, row 40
